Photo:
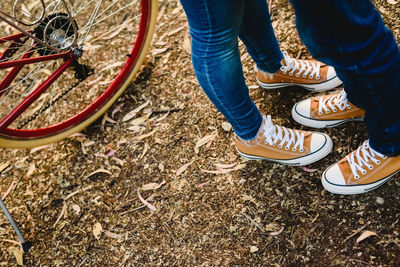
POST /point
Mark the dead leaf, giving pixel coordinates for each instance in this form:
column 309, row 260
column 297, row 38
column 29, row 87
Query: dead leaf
column 365, row 235
column 158, row 51
column 202, row 184
column 110, row 153
column 4, row 166
column 140, row 138
column 89, row 143
column 131, row 114
column 145, row 149
column 145, row 202
column 99, row 171
column 153, row 186
column 115, row 33
column 113, row 235
column 203, row 141
column 138, row 121
column 219, row 171
column 135, row 128
column 307, row 169
column 183, row 168
column 38, row 148
column 114, row 65
column 17, row 253
column 392, row 2
column 117, row 109
column 277, row 232
column 97, row 229
column 77, row 135
column 225, row 166
column 177, row 30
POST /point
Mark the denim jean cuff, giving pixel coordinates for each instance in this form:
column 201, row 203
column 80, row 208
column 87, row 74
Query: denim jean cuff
column 272, row 61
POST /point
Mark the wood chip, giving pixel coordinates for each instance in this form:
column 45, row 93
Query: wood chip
column 4, row 166
column 97, row 230
column 17, row 253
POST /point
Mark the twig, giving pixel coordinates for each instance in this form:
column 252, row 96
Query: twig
column 353, row 234
column 83, row 261
column 78, row 191
column 138, row 208
column 8, row 191
column 270, row 7
column 252, row 222
column 161, row 111
column 11, row 241
column 360, row 261
column 299, row 54
column 61, row 214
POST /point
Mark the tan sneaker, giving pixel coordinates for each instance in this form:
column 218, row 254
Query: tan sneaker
column 310, row 74
column 326, row 111
column 362, row 170
column 285, row 146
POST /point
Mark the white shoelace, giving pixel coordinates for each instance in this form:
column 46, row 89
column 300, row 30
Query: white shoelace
column 368, row 154
column 338, row 101
column 274, row 133
column 311, row 69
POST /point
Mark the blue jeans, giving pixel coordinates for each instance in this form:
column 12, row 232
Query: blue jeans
column 215, row 26
column 348, row 35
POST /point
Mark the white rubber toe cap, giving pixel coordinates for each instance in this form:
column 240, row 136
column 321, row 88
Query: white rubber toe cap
column 318, row 140
column 303, row 108
column 334, row 176
column 331, row 73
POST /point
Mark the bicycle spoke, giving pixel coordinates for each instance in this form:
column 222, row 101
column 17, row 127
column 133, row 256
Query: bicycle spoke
column 103, row 29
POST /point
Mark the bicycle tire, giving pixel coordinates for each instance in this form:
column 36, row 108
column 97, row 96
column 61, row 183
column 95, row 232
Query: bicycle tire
column 13, row 138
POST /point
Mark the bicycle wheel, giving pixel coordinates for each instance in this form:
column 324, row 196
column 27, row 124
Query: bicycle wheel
column 47, row 95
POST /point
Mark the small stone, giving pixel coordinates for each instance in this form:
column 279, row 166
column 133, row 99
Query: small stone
column 380, row 200
column 253, row 249
column 226, row 126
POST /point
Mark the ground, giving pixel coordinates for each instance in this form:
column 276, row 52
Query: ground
column 78, row 200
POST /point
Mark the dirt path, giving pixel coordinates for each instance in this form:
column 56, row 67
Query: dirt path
column 234, row 213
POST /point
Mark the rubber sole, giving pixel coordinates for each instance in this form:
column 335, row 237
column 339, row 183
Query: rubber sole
column 319, row 123
column 305, row 160
column 352, row 189
column 318, row 87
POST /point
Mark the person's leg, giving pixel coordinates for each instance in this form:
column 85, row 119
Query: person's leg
column 214, row 28
column 257, row 34
column 351, row 36
column 274, row 68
